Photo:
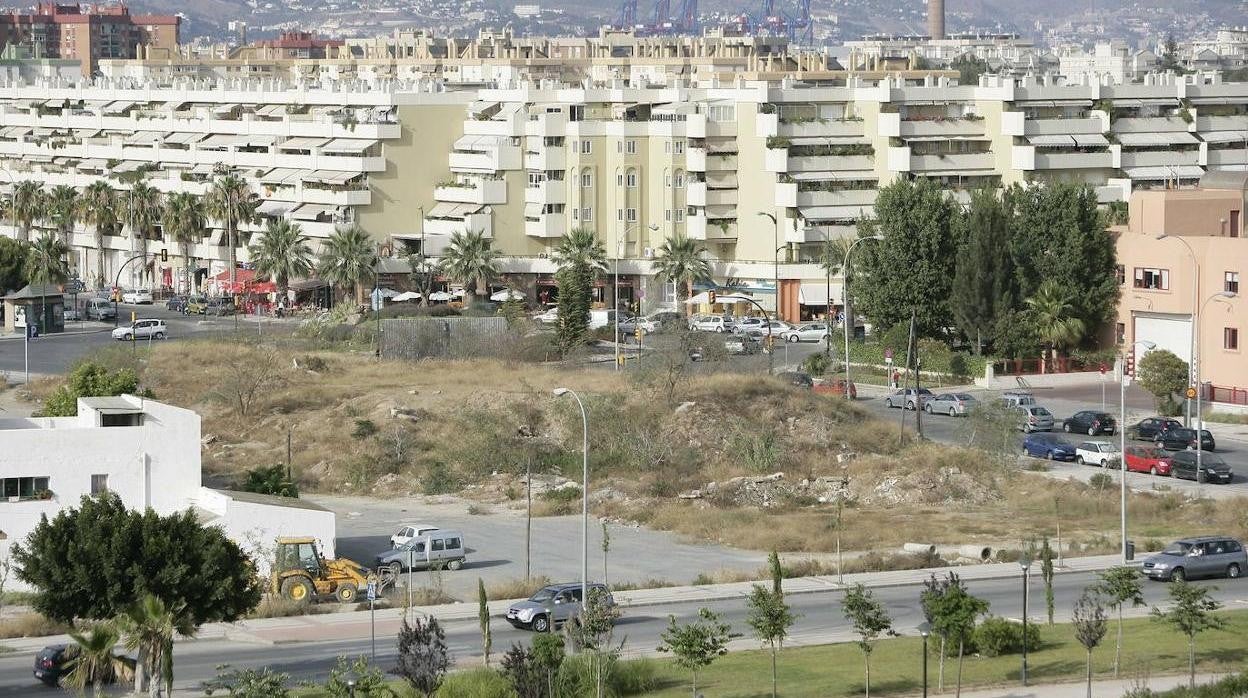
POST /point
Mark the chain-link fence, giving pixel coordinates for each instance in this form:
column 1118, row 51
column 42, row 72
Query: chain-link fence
column 445, row 337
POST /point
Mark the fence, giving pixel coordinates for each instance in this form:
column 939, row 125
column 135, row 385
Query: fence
column 1034, row 367
column 1230, row 396
column 444, row 337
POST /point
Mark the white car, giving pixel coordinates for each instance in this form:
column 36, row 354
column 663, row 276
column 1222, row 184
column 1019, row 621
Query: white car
column 1104, row 454
column 408, row 532
column 549, row 317
column 142, row 329
column 709, row 323
column 807, row 332
column 776, row 328
column 137, row 296
column 743, row 325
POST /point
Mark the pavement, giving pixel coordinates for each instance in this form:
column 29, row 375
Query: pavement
column 1101, row 689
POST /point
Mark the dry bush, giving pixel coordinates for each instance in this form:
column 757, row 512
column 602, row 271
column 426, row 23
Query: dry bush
column 518, row 588
column 31, row 625
column 272, row 606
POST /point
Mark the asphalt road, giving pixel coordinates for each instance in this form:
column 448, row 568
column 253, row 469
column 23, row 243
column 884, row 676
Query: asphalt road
column 820, row 620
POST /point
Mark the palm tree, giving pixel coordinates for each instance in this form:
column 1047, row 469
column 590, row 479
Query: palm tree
column 282, row 254
column 26, row 204
column 141, row 208
column 62, row 209
column 98, row 208
column 184, row 221
column 149, row 626
column 471, row 260
column 680, row 261
column 580, row 248
column 580, row 257
column 45, row 265
column 347, row 259
column 231, row 200
column 94, row 660
column 1052, row 312
column 832, row 255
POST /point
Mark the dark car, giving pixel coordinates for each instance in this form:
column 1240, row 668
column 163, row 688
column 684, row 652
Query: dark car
column 797, row 379
column 1147, row 429
column 1212, row 468
column 1089, row 422
column 1208, row 556
column 1179, row 438
column 1048, row 446
column 219, row 306
column 176, row 303
column 50, row 664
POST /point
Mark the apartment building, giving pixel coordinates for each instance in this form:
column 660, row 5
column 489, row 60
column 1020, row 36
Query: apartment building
column 90, row 34
column 1002, row 52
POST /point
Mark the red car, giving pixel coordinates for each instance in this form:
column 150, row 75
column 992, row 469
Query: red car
column 836, row 386
column 1146, row 459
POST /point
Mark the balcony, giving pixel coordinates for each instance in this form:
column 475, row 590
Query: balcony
column 695, row 194
column 1163, row 158
column 721, row 230
column 1073, row 161
column 696, row 226
column 952, row 162
column 695, row 159
column 766, row 125
column 548, row 124
column 721, row 162
column 1228, row 157
column 549, row 157
column 474, row 162
column 944, row 128
column 547, row 192
column 776, row 160
column 512, row 125
column 546, row 225
column 1059, row 127
column 336, row 197
column 471, row 221
column 845, row 197
column 831, row 163
column 480, row 191
column 721, row 197
column 823, row 129
column 1219, row 123
column 786, row 194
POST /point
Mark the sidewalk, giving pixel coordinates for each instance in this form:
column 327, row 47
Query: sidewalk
column 1100, row 689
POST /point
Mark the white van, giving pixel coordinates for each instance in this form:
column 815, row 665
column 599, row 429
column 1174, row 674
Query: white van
column 434, row 549
column 1018, row 398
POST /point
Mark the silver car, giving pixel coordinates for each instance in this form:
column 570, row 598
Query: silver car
column 552, row 606
column 807, row 332
column 952, row 404
column 631, row 325
column 1034, row 418
column 1208, row 556
column 775, row 328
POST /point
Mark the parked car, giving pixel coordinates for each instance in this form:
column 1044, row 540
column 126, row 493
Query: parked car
column 176, row 303
column 952, row 404
column 603, row 318
column 1099, row 453
column 836, row 386
column 1207, row 556
column 137, row 296
column 1034, row 418
column 434, row 549
column 742, row 346
column 741, row 325
column 797, row 379
column 908, row 398
column 142, row 329
column 807, row 332
column 72, row 315
column 709, row 323
column 551, row 606
column 50, row 664
column 1048, row 446
column 630, row 325
column 219, row 306
column 1147, row 429
column 1089, row 422
column 1146, row 459
column 1179, row 438
column 775, row 328
column 407, row 532
column 1212, row 468
column 548, row 317
column 100, row 309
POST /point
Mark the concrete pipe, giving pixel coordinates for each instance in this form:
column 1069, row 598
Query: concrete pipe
column 923, row 548
column 982, row 553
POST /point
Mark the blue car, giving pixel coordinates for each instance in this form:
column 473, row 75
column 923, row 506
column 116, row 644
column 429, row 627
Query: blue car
column 1048, row 446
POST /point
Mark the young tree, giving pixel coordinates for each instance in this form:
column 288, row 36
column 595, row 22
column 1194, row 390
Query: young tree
column 548, row 653
column 983, row 281
column 697, row 643
column 45, row 265
column 770, row 618
column 471, row 259
column 954, row 614
column 592, row 632
column 1191, row 613
column 370, row 682
column 606, row 549
column 348, row 259
column 580, row 257
column 1120, row 586
column 270, row 479
column 1046, row 573
column 870, row 620
column 681, row 261
column 1091, row 625
column 483, row 619
column 777, row 572
column 149, row 626
column 13, row 256
column 93, row 660
column 248, row 683
column 88, row 379
column 521, row 669
column 232, row 201
column 1051, row 311
column 282, row 254
column 423, row 656
column 423, row 272
column 933, row 590
column 1165, row 375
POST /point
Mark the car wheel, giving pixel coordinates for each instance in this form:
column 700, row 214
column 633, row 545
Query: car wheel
column 1066, row 427
column 1159, row 444
column 927, row 409
column 1233, row 571
column 297, row 589
column 1091, row 431
column 909, row 405
column 1078, row 459
column 1153, row 471
column 396, row 569
column 541, row 624
column 454, row 565
column 1178, row 575
column 888, row 403
column 160, row 335
column 128, row 336
column 346, row 593
column 792, row 338
column 719, row 330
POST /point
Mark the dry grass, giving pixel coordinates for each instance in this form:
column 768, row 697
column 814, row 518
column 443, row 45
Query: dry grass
column 515, row 588
column 278, row 607
column 31, row 625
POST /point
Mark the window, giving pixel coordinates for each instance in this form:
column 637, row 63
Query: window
column 99, row 483
column 24, row 487
column 630, row 180
column 1230, row 338
column 1120, row 333
column 667, row 215
column 631, row 215
column 630, row 147
column 1121, row 272
column 576, row 112
column 1150, row 278
column 680, row 215
column 1230, row 282
column 679, row 182
column 619, row 214
column 587, row 214
column 667, row 181
column 587, row 147
column 437, row 544
column 576, row 212
column 680, row 147
column 452, row 543
column 667, row 147
column 587, row 179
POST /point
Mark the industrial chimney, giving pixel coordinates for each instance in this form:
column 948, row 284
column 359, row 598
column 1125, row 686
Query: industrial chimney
column 936, row 19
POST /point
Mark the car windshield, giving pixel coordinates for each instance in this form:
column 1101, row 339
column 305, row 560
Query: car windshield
column 1177, row 549
column 1041, row 412
column 1205, row 434
column 544, row 594
column 964, row 397
column 1209, row 460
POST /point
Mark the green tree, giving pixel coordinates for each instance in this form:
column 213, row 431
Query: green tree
column 777, row 572
column 1051, row 311
column 27, row 204
column 370, row 682
column 282, row 254
column 248, row 683
column 1120, row 586
column 1046, row 573
column 1192, row 611
column 149, row 626
column 98, row 208
column 46, row 266
column 593, row 631
column 423, row 272
column 141, row 208
column 969, row 69
column 84, row 563
column 912, row 267
column 93, row 659
column 13, row 256
column 89, row 379
column 423, row 655
column 1091, row 625
column 580, row 257
column 954, row 613
column 983, row 280
column 698, row 643
column 522, row 672
column 870, row 620
column 471, row 260
column 483, row 619
column 271, row 480
column 348, row 259
column 680, row 260
column 185, row 219
column 1169, row 59
column 770, row 618
column 1165, row 375
column 231, row 201
column 548, row 652
column 61, row 207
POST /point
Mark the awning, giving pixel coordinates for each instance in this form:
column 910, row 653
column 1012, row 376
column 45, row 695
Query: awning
column 1085, row 140
column 204, row 168
column 814, row 293
column 127, row 166
column 118, row 107
column 271, row 110
column 722, row 147
column 930, row 139
column 223, row 108
column 143, row 138
column 1051, row 141
column 834, row 213
column 506, row 294
column 1225, row 136
column 838, row 176
column 347, row 145
column 407, row 296
column 722, row 181
column 481, row 107
column 1176, row 172
column 699, row 299
column 302, row 143
column 221, row 140
column 444, row 209
column 721, row 212
column 283, row 175
column 329, row 177
column 1156, row 139
column 532, row 210
column 258, row 140
column 44, row 132
column 273, row 207
column 478, row 143
column 15, row 131
column 85, row 133
column 182, row 138
column 310, row 212
column 92, row 164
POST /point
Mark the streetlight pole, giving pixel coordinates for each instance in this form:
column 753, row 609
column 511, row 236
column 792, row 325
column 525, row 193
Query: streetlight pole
column 845, row 302
column 925, row 629
column 560, row 392
column 775, row 227
column 1191, row 349
column 1025, row 564
column 1199, row 422
column 1122, row 438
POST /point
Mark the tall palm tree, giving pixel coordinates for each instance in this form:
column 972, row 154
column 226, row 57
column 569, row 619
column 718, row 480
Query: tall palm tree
column 232, row 201
column 185, row 220
column 149, row 626
column 580, row 248
column 680, row 261
column 61, row 207
column 580, row 257
column 348, row 258
column 1051, row 311
column 471, row 260
column 26, row 204
column 98, row 207
column 141, row 210
column 282, row 254
column 94, row 660
column 45, row 265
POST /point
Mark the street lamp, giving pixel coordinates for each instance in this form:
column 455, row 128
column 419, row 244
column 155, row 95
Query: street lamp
column 1025, row 563
column 560, row 392
column 1191, row 350
column 1199, row 420
column 775, row 227
column 845, row 302
column 925, row 629
column 351, row 679
column 1122, row 436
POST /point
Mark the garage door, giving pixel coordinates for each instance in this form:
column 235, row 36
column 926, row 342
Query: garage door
column 1167, row 331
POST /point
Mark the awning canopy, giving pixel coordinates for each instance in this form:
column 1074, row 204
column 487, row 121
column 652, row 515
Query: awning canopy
column 504, row 295
column 329, row 177
column 118, row 107
column 444, row 209
column 182, row 138
column 271, row 110
column 721, row 212
column 1084, row 140
column 311, row 212
column 816, row 293
column 1155, row 139
column 302, row 143
column 478, row 144
column 348, row 145
column 283, row 175
column 930, row 139
column 1154, row 173
column 222, row 140
column 1225, row 136
column 273, row 207
column 722, row 180
column 92, row 164
column 532, row 210
column 144, row 138
column 1051, row 141
column 407, row 296
column 828, row 140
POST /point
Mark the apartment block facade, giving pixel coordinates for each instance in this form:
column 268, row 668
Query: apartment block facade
column 89, row 34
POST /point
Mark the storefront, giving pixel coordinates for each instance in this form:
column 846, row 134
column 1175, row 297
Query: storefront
column 41, row 306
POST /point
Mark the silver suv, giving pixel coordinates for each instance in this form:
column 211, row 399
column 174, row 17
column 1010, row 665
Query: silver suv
column 1208, row 556
column 552, row 606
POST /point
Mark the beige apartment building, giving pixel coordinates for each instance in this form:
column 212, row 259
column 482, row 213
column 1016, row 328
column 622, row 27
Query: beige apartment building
column 1203, row 254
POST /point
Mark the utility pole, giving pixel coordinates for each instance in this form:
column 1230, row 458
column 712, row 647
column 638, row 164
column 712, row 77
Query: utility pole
column 918, row 399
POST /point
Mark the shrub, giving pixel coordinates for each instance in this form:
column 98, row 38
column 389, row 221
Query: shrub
column 997, row 636
column 440, row 480
column 364, row 428
column 475, row 683
column 270, row 480
column 90, row 379
column 817, row 364
column 1101, row 481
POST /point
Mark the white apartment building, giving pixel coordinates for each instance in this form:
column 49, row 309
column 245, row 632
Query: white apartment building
column 1227, row 49
column 146, row 452
column 1113, row 61
column 1007, row 53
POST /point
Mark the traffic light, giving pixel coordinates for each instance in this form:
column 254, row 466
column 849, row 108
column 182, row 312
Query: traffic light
column 164, row 255
column 1131, row 365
